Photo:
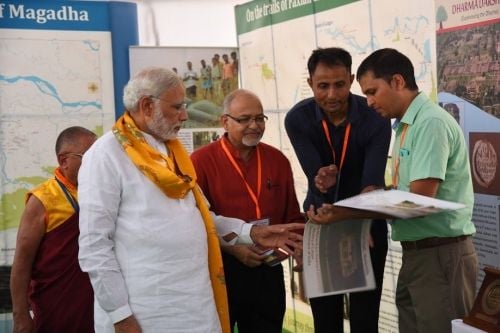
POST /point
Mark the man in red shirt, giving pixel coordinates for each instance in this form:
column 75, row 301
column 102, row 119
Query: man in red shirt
column 247, row 179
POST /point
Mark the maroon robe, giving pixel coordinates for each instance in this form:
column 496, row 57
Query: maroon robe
column 61, row 295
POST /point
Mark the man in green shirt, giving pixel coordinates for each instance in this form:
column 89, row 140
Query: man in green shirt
column 437, row 279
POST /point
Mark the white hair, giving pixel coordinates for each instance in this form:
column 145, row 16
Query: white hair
column 151, row 81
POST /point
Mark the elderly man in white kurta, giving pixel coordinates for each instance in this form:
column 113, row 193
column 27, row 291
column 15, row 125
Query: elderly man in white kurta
column 147, row 238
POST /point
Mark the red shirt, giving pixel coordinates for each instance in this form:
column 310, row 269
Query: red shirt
column 226, row 190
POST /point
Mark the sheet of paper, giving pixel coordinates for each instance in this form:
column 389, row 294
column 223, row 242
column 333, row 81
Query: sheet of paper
column 397, row 203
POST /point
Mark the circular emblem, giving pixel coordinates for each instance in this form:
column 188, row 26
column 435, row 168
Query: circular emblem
column 484, row 162
column 491, row 299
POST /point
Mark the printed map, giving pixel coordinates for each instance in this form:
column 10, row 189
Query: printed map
column 47, row 95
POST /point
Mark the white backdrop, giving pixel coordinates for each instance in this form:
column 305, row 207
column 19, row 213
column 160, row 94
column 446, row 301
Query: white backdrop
column 187, row 22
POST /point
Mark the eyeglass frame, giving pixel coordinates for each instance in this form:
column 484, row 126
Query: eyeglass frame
column 246, row 120
column 182, row 106
column 75, row 154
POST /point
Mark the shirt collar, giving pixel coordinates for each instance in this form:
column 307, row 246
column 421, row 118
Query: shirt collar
column 232, row 149
column 413, row 110
column 352, row 112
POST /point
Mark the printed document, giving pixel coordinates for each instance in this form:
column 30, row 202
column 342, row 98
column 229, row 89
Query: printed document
column 399, row 204
column 337, row 258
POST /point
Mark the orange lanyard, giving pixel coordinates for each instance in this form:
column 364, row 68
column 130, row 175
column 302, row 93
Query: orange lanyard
column 395, row 171
column 344, row 145
column 253, row 196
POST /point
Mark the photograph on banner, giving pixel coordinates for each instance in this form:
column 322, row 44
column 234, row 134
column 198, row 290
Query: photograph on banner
column 208, row 73
column 456, row 110
column 194, row 138
column 468, row 60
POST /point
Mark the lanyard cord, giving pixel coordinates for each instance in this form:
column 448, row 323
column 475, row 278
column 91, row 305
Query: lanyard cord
column 345, row 143
column 395, row 173
column 253, row 195
column 70, row 198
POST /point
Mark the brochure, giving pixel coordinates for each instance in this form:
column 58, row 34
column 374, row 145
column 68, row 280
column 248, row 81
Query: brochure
column 337, row 258
column 399, row 204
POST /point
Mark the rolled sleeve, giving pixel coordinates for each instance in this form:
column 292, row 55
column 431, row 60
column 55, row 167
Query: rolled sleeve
column 120, row 314
column 229, row 225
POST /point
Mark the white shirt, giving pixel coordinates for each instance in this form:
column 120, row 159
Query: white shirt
column 146, row 254
column 190, row 78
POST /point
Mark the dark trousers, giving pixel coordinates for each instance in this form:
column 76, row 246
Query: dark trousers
column 256, row 296
column 191, row 91
column 364, row 306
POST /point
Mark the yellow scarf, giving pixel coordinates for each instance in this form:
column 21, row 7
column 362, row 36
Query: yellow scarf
column 164, row 171
column 58, row 208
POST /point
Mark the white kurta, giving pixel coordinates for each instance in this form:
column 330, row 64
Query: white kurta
column 146, row 254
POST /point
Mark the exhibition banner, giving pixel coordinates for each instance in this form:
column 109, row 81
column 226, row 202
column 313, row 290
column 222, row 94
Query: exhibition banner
column 261, row 13
column 468, row 54
column 460, row 71
column 62, row 64
column 58, row 61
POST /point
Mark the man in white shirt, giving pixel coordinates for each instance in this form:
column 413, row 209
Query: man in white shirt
column 190, row 78
column 147, row 238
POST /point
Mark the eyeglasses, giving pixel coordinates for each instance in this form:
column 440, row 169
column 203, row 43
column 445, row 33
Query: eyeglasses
column 178, row 106
column 246, row 120
column 75, row 154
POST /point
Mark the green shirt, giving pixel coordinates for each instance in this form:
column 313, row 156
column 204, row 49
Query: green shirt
column 434, row 147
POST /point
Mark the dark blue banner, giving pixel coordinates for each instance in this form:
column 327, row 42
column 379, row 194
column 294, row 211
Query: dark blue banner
column 55, row 15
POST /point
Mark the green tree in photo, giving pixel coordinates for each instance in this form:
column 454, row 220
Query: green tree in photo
column 441, row 16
